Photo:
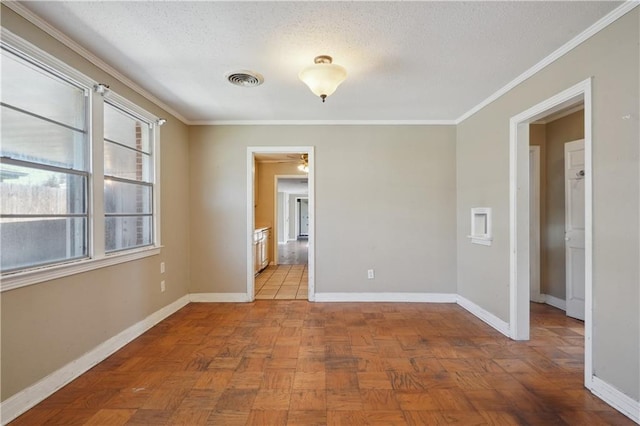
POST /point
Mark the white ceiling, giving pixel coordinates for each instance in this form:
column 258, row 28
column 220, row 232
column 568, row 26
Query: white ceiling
column 408, row 61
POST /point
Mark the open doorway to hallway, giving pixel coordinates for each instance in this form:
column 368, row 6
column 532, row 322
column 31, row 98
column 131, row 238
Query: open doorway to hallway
column 557, row 210
column 280, row 186
column 287, row 277
column 529, row 281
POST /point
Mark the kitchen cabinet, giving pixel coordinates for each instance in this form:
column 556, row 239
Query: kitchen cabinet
column 261, row 248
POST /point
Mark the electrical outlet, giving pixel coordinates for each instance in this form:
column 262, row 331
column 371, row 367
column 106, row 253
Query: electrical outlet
column 163, row 286
column 162, row 267
column 370, row 274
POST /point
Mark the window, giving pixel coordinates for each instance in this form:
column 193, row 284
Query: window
column 128, row 180
column 78, row 170
column 44, row 173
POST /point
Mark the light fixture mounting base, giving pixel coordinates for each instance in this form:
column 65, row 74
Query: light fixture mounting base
column 323, row 59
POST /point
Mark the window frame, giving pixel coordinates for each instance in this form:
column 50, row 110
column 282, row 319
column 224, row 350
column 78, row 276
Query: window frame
column 96, row 255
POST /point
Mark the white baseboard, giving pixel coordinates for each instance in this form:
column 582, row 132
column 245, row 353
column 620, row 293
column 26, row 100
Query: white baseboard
column 386, row 297
column 219, row 297
column 554, row 301
column 484, row 315
column 17, row 404
column 618, row 400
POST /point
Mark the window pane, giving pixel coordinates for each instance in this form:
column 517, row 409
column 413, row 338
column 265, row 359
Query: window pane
column 126, row 198
column 33, row 89
column 32, row 191
column 28, row 138
column 125, row 129
column 125, row 232
column 31, row 242
column 126, row 163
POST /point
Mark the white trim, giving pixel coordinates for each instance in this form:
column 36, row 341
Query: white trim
column 518, row 264
column 556, row 302
column 615, row 398
column 598, row 26
column 47, row 273
column 74, row 46
column 219, row 297
column 484, row 315
column 534, row 224
column 559, row 115
column 323, row 123
column 250, row 224
column 17, row 404
column 387, row 297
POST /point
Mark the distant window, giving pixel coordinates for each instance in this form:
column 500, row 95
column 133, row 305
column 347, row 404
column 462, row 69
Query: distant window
column 77, row 170
column 44, row 166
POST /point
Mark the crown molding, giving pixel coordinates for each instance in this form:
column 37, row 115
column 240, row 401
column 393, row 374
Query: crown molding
column 43, row 25
column 323, row 123
column 598, row 26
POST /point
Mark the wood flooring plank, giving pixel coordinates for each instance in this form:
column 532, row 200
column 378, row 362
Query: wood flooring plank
column 111, row 417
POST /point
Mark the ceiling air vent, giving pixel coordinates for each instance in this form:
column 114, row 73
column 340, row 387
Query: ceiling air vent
column 245, row 78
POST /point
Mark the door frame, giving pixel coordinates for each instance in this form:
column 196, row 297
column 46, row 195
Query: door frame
column 519, row 291
column 250, row 224
column 534, row 222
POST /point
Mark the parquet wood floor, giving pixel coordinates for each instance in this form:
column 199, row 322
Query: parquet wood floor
column 298, row 363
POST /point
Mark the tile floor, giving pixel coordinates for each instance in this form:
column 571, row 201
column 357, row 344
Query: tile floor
column 283, row 282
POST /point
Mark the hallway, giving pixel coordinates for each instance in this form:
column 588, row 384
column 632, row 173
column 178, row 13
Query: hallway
column 293, row 252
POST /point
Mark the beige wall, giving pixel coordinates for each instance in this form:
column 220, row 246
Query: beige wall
column 265, row 208
column 557, row 133
column 47, row 325
column 611, row 57
column 385, row 199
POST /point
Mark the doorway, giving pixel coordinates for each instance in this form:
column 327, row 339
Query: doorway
column 519, row 190
column 252, row 198
column 302, row 224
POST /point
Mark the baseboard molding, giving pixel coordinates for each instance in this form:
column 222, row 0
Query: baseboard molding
column 386, row 297
column 17, row 404
column 618, row 400
column 484, row 315
column 554, row 301
column 218, row 297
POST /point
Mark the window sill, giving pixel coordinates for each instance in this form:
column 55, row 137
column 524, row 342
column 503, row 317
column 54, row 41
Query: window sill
column 35, row 276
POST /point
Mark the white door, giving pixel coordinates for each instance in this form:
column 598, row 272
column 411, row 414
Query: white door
column 574, row 227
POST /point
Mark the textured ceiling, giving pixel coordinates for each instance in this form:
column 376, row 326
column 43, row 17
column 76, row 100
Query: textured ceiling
column 405, row 60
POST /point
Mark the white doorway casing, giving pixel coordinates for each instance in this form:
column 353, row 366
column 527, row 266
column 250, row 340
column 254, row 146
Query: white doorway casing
column 251, row 152
column 519, row 263
column 534, row 223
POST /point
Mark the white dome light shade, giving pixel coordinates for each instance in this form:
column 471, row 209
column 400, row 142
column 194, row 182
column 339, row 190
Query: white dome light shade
column 323, row 77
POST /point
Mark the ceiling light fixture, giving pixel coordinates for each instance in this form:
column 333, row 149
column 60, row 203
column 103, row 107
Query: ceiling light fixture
column 323, row 77
column 304, row 164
